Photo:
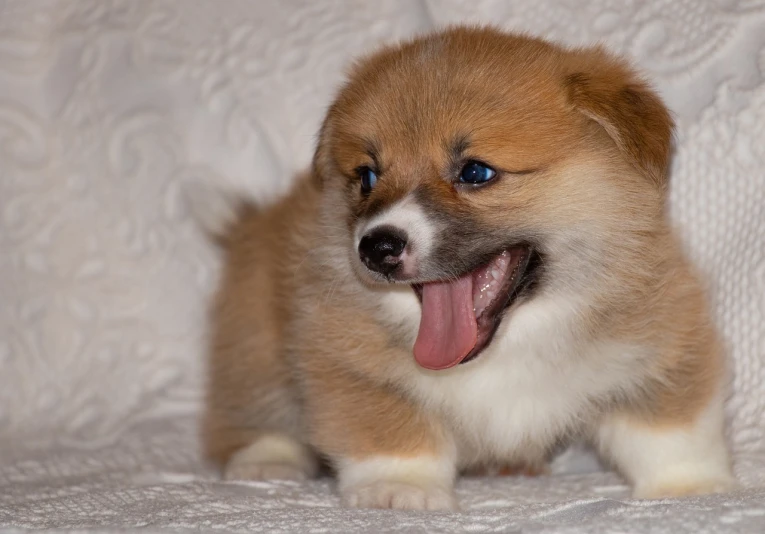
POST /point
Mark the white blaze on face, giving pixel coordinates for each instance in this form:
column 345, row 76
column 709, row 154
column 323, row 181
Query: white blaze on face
column 407, row 216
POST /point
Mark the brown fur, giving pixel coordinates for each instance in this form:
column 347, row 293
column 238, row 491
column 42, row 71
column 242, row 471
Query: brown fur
column 298, row 348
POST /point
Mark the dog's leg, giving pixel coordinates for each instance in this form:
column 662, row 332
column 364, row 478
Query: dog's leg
column 387, row 453
column 252, row 427
column 670, row 458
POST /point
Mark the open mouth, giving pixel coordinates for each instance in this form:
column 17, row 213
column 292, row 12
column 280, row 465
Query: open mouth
column 460, row 316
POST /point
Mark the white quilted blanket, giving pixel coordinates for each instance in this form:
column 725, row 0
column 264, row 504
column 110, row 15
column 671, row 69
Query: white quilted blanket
column 108, row 106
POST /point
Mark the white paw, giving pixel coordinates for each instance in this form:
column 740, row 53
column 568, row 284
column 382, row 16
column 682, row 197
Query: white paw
column 272, row 457
column 264, row 471
column 416, row 483
column 671, row 460
column 400, row 496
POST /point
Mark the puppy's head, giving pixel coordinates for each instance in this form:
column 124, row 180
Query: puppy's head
column 476, row 166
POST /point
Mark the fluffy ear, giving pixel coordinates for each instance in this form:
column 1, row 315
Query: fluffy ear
column 321, row 155
column 631, row 113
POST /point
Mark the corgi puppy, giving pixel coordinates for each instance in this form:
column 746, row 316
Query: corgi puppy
column 478, row 267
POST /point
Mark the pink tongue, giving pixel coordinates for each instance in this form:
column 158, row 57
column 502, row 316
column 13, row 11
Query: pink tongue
column 448, row 328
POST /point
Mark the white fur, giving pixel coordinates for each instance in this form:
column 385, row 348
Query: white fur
column 418, row 483
column 272, row 456
column 530, row 386
column 672, row 461
column 399, row 305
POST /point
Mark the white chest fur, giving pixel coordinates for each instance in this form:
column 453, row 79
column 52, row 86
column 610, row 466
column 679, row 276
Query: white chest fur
column 534, row 383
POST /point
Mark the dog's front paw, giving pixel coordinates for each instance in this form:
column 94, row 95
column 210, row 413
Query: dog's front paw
column 400, row 496
column 419, row 483
column 670, row 460
column 272, row 457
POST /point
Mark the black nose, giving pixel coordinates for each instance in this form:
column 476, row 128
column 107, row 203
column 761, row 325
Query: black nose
column 380, row 249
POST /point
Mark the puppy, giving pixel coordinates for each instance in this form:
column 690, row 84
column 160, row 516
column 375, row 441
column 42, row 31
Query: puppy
column 478, row 268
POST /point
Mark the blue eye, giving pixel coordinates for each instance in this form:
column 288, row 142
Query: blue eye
column 368, row 179
column 476, row 173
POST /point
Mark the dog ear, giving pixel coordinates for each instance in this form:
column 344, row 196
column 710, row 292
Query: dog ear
column 316, row 174
column 610, row 93
column 320, row 162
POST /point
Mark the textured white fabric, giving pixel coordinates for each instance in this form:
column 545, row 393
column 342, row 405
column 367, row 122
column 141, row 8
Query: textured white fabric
column 150, row 479
column 108, row 106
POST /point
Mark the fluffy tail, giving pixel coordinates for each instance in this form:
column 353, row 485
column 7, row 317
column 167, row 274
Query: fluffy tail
column 216, row 209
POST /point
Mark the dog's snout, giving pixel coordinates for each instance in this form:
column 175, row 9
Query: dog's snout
column 381, row 249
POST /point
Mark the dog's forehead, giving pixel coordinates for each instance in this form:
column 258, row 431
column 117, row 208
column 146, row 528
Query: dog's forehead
column 502, row 97
column 411, row 133
column 432, row 106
